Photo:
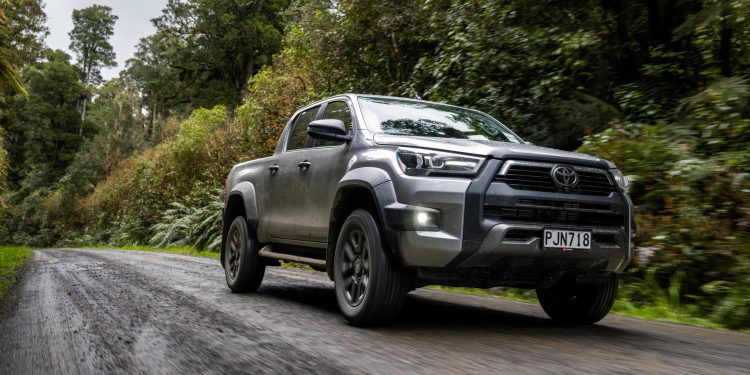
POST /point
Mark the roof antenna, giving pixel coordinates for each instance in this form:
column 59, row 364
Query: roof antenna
column 416, row 95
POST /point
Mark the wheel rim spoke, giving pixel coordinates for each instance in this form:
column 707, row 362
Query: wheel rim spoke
column 234, row 252
column 355, row 266
column 366, row 258
column 353, row 289
column 353, row 241
column 360, row 289
column 348, row 269
column 348, row 253
column 360, row 243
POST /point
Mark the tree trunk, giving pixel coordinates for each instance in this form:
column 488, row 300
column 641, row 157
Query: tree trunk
column 83, row 116
column 628, row 67
column 150, row 128
column 248, row 73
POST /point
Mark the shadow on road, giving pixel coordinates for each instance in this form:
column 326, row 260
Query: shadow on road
column 430, row 314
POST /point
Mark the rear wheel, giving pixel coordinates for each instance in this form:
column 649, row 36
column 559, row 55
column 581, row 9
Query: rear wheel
column 242, row 265
column 571, row 302
column 370, row 285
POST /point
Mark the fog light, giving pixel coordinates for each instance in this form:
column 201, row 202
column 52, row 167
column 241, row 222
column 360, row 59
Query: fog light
column 403, row 217
column 427, row 220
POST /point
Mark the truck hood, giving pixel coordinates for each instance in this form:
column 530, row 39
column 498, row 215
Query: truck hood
column 499, row 150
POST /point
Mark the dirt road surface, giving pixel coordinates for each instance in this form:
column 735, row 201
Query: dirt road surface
column 93, row 311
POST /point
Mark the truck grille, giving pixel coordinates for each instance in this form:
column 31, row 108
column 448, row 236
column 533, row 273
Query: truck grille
column 536, row 177
column 562, row 213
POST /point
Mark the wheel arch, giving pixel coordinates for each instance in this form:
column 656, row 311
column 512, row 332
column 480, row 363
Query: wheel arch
column 366, row 188
column 241, row 201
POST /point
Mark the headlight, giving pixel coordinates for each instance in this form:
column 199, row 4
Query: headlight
column 425, row 162
column 620, row 179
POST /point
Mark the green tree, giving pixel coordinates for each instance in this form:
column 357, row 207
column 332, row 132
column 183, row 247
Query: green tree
column 204, row 51
column 162, row 91
column 89, row 40
column 43, row 139
column 367, row 46
column 9, row 78
column 21, row 31
column 117, row 115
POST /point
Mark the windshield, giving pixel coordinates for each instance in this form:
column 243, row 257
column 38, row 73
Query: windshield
column 414, row 118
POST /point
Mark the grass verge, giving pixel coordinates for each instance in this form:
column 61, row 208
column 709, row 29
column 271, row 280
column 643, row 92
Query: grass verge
column 622, row 306
column 185, row 250
column 12, row 260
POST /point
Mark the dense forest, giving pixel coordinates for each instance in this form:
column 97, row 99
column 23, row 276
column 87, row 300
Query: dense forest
column 660, row 87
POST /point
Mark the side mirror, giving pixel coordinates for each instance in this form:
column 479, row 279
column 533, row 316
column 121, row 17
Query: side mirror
column 330, row 130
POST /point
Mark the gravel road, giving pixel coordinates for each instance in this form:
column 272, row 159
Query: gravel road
column 92, row 311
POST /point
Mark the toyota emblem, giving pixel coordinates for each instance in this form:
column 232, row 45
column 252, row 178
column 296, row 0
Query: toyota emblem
column 564, row 177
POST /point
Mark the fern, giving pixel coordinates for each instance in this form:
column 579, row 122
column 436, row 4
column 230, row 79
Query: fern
column 199, row 227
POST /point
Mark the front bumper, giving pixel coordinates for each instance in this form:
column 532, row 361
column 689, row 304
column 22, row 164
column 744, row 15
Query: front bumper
column 474, row 232
column 607, row 253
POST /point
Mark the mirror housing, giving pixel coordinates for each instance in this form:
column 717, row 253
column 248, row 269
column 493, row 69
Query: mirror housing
column 329, row 129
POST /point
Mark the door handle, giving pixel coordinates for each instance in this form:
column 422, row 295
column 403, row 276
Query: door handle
column 273, row 169
column 303, row 165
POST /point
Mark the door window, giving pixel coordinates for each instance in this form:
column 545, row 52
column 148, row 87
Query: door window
column 299, row 139
column 337, row 110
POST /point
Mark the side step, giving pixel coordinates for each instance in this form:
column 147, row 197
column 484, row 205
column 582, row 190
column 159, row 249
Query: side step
column 267, row 252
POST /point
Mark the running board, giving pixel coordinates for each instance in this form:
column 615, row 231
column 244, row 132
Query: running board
column 267, row 252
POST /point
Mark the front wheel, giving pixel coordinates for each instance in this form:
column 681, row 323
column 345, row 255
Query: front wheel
column 571, row 302
column 242, row 265
column 370, row 286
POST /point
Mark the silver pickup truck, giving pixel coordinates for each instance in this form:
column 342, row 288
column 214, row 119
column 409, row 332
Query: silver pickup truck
column 389, row 194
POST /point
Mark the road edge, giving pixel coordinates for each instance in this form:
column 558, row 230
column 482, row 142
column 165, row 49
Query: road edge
column 8, row 300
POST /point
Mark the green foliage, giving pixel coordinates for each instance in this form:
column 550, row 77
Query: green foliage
column 204, row 51
column 4, row 166
column 43, row 140
column 116, row 116
column 123, row 208
column 364, row 46
column 9, row 78
column 691, row 191
column 24, row 25
column 194, row 131
column 274, row 94
column 21, row 23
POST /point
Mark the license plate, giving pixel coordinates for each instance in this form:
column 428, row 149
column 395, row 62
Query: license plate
column 567, row 239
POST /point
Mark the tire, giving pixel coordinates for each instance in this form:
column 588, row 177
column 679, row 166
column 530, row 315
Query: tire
column 570, row 302
column 243, row 267
column 370, row 286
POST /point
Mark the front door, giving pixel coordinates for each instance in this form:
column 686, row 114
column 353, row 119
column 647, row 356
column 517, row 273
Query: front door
column 325, row 166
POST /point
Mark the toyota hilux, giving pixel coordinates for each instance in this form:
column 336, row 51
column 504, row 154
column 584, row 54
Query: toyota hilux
column 389, row 194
